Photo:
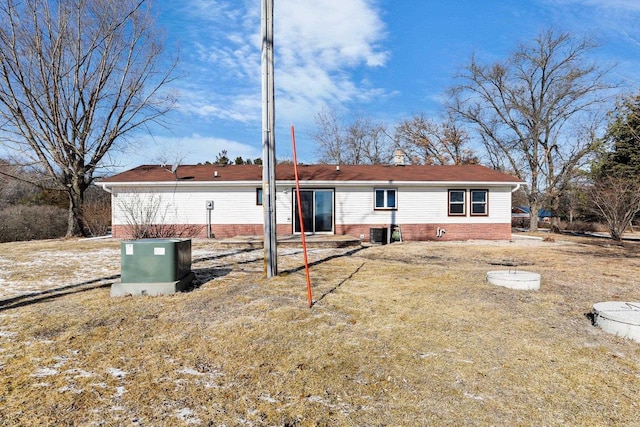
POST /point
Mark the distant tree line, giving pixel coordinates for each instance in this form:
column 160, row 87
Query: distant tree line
column 223, row 159
column 364, row 140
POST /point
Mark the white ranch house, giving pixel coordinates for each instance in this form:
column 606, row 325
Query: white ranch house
column 426, row 202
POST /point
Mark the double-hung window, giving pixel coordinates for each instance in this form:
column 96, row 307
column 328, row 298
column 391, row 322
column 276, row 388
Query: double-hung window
column 457, row 202
column 479, row 202
column 259, row 196
column 386, row 198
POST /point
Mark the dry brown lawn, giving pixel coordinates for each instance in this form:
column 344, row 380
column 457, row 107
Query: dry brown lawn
column 399, row 335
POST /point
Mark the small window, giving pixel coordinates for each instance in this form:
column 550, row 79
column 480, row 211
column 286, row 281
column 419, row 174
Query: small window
column 386, row 198
column 456, row 202
column 479, row 202
column 259, row 196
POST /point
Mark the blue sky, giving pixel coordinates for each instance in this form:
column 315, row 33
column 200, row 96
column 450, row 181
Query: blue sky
column 384, row 59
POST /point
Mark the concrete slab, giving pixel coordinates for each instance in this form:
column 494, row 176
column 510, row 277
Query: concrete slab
column 120, row 289
column 315, row 240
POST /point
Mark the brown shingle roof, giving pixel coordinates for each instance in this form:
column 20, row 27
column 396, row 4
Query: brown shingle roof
column 285, row 172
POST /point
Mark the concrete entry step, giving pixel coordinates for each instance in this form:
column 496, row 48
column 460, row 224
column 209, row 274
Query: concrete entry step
column 315, row 240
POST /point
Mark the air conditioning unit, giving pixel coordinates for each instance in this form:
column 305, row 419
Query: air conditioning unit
column 378, row 235
column 154, row 266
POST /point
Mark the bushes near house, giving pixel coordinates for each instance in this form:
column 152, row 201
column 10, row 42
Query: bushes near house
column 581, row 226
column 31, row 213
column 577, row 226
column 22, row 222
column 97, row 211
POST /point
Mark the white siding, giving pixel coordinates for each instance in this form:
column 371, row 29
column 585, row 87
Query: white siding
column 284, row 205
column 188, row 206
column 353, row 205
column 416, row 205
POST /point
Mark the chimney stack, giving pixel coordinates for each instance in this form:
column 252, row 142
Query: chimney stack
column 398, row 158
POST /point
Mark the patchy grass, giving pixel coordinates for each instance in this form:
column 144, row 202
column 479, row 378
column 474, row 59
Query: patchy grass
column 403, row 334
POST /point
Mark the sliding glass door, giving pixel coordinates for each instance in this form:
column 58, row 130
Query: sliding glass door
column 317, row 211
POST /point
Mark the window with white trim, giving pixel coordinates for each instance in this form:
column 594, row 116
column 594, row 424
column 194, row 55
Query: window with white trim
column 479, row 202
column 457, row 202
column 385, row 198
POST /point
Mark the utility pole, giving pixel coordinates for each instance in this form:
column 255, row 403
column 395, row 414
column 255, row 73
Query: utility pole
column 268, row 143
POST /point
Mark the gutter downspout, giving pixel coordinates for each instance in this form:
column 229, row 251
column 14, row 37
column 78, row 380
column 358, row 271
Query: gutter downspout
column 104, row 187
column 516, row 188
column 110, row 191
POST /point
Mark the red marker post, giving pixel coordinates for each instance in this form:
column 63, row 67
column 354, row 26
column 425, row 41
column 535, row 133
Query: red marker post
column 301, row 219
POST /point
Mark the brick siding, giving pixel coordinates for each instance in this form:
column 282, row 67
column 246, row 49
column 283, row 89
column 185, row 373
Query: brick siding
column 410, row 232
column 422, row 232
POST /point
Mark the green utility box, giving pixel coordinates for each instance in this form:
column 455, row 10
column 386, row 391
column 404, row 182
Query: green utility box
column 154, row 266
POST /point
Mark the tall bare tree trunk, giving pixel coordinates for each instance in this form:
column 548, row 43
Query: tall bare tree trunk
column 534, row 207
column 75, row 223
column 555, row 208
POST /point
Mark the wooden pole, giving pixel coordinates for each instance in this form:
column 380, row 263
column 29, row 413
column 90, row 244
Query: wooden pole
column 268, row 143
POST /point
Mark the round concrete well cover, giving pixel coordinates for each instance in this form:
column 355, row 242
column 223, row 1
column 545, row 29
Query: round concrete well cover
column 514, row 279
column 617, row 317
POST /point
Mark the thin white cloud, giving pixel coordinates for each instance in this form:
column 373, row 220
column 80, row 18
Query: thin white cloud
column 601, row 15
column 208, row 106
column 333, row 34
column 192, row 149
column 318, row 45
column 628, row 5
column 613, row 24
column 213, row 11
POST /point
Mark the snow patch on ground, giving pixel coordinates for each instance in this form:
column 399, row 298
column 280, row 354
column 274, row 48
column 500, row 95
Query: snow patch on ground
column 189, row 371
column 79, row 373
column 44, row 372
column 472, row 396
column 187, row 415
column 70, row 389
column 117, row 373
column 120, row 391
column 87, row 265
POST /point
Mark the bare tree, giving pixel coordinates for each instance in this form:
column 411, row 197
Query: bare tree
column 366, row 142
column 362, row 141
column 426, row 141
column 147, row 216
column 535, row 112
column 77, row 77
column 617, row 201
column 331, row 147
